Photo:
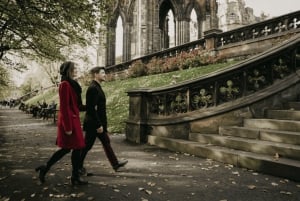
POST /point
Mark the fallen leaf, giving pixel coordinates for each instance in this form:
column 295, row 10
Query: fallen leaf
column 73, row 195
column 151, row 184
column 2, row 178
column 148, row 192
column 102, row 183
column 284, row 181
column 276, row 155
column 236, row 173
column 5, row 199
column 81, row 194
column 286, row 192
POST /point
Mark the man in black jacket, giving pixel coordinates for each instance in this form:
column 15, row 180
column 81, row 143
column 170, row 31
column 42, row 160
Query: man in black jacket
column 95, row 120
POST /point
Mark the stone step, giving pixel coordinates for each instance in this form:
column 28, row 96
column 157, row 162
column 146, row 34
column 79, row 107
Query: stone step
column 274, row 124
column 283, row 114
column 281, row 167
column 288, row 137
column 294, row 105
column 250, row 145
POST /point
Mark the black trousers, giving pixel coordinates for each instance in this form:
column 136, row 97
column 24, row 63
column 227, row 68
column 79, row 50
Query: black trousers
column 75, row 158
column 90, row 137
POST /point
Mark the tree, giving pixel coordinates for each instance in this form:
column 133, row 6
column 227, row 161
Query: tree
column 4, row 78
column 42, row 27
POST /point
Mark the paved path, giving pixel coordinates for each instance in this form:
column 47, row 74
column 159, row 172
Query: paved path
column 152, row 173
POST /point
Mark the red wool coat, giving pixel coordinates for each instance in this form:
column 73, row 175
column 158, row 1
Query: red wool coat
column 68, row 119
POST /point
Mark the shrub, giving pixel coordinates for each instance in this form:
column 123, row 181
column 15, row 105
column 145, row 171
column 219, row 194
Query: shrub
column 138, row 68
column 171, row 64
column 154, row 66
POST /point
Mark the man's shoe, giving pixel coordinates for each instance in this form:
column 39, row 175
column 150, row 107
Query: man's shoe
column 78, row 181
column 82, row 171
column 120, row 164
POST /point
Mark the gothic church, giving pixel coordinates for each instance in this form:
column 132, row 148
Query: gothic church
column 148, row 26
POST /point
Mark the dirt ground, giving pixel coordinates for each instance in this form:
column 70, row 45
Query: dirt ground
column 152, row 174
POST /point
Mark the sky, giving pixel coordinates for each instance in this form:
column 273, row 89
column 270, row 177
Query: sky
column 273, row 7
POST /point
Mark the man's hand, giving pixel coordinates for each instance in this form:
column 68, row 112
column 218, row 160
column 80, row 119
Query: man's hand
column 100, row 129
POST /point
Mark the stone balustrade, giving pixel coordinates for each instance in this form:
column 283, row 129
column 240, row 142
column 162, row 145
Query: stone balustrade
column 212, row 94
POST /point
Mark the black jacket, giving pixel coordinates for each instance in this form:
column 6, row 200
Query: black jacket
column 95, row 115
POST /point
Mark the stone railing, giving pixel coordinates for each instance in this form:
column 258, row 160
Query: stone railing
column 198, row 44
column 270, row 27
column 215, row 39
column 184, row 102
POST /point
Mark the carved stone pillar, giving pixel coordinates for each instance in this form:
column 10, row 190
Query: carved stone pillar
column 101, row 49
column 182, row 31
column 127, row 43
column 111, row 44
column 211, row 38
column 136, row 125
column 213, row 13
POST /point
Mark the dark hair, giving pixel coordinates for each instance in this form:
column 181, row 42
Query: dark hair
column 66, row 68
column 96, row 69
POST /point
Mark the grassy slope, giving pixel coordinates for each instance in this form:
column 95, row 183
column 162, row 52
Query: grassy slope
column 117, row 99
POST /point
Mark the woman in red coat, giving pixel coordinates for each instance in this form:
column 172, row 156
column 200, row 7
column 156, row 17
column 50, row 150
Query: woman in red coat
column 69, row 132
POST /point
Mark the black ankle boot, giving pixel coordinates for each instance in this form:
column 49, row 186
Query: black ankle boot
column 42, row 172
column 77, row 181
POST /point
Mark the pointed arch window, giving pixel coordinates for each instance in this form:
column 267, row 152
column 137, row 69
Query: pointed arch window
column 119, row 40
column 193, row 26
column 171, row 28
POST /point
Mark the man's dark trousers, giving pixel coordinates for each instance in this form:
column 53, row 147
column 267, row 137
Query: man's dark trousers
column 90, row 137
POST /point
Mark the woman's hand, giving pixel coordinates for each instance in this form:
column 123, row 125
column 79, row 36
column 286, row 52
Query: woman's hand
column 69, row 132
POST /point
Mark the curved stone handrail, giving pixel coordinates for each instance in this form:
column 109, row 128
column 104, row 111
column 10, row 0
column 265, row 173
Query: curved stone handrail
column 269, row 27
column 245, row 83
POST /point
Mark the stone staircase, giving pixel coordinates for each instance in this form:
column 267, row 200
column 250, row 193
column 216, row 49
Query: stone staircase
column 270, row 145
